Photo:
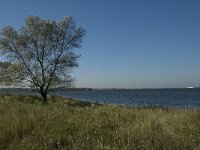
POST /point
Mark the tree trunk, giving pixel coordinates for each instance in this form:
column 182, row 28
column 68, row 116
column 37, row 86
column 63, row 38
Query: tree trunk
column 44, row 97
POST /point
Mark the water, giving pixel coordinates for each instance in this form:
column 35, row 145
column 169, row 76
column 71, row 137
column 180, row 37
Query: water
column 140, row 97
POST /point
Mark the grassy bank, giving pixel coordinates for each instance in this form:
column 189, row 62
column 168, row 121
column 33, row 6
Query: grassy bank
column 70, row 124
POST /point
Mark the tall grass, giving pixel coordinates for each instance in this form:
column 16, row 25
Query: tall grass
column 70, row 124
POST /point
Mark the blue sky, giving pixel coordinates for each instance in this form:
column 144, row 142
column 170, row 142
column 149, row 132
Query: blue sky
column 129, row 43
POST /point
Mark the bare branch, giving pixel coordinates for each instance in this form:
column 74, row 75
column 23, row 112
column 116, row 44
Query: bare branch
column 45, row 50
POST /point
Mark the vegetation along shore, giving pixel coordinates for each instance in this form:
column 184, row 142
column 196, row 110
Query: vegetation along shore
column 73, row 124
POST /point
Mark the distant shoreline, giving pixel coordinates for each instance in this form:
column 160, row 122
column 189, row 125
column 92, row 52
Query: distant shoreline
column 102, row 89
column 172, row 97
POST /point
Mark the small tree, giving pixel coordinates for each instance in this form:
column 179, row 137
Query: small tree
column 40, row 54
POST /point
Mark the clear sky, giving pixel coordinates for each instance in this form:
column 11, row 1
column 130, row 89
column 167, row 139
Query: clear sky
column 129, row 43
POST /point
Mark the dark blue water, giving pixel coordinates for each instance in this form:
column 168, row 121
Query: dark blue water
column 140, row 97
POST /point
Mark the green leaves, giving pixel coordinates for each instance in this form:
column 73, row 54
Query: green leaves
column 11, row 74
column 45, row 51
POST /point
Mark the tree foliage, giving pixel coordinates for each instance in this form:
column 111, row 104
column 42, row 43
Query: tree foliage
column 41, row 53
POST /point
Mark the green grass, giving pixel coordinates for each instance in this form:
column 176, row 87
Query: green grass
column 70, row 124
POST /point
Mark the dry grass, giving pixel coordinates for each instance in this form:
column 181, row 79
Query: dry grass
column 71, row 124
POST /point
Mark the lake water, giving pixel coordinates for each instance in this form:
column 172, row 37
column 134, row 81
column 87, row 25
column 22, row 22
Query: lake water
column 138, row 97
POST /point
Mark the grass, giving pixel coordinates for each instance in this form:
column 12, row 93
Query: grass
column 70, row 124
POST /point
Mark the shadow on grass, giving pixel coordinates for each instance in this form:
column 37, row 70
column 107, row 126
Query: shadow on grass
column 30, row 99
column 77, row 103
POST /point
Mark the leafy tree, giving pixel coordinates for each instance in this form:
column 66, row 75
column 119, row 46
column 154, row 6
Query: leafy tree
column 40, row 54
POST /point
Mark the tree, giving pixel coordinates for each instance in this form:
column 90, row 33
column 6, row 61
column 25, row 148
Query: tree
column 40, row 54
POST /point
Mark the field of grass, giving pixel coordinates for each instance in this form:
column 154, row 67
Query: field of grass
column 70, row 124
